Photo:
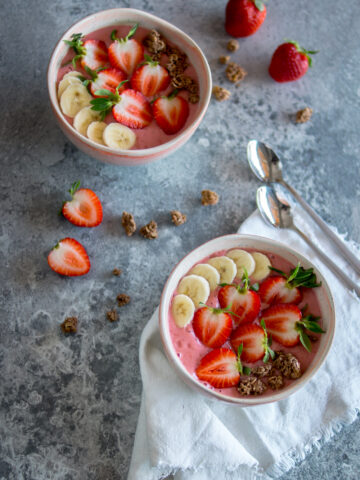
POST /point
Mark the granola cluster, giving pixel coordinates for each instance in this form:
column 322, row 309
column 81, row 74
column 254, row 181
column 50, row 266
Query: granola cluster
column 177, row 217
column 224, row 59
column 221, row 93
column 287, row 364
column 276, row 382
column 155, row 44
column 117, row 272
column 122, row 299
column 69, row 325
column 251, row 386
column 112, row 315
column 262, row 370
column 235, row 73
column 150, row 230
column 128, row 222
column 208, row 197
column 232, row 45
column 304, row 115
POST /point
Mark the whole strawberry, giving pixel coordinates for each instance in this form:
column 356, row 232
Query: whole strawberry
column 290, row 62
column 244, row 17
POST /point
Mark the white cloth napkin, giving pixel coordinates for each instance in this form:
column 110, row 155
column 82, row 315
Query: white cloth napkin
column 185, row 436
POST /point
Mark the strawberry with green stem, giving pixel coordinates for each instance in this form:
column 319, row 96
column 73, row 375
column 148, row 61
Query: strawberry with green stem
column 91, row 53
column 150, row 78
column 254, row 340
column 104, row 79
column 126, row 53
column 84, row 209
column 212, row 326
column 244, row 17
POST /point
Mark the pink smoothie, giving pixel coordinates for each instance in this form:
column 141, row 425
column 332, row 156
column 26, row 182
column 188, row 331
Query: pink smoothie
column 152, row 135
column 190, row 350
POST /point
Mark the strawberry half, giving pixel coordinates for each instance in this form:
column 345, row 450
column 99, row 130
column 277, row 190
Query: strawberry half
column 219, row 368
column 254, row 341
column 69, row 258
column 212, row 326
column 85, row 209
column 126, row 53
column 281, row 322
column 290, row 62
column 107, row 79
column 244, row 17
column 92, row 54
column 150, row 78
column 171, row 113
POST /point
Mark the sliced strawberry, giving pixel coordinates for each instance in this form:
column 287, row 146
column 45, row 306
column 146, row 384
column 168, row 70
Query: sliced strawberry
column 132, row 110
column 85, row 209
column 282, row 323
column 254, row 341
column 171, row 113
column 96, row 55
column 69, row 257
column 212, row 326
column 126, row 53
column 277, row 290
column 107, row 79
column 150, row 78
column 243, row 302
column 219, row 368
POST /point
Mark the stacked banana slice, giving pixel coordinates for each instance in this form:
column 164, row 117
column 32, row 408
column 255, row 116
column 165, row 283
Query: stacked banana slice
column 195, row 288
column 75, row 103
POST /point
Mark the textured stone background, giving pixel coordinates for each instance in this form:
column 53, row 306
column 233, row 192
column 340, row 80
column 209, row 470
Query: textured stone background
column 69, row 406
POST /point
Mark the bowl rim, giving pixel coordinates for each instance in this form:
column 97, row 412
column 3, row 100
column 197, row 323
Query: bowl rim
column 139, row 152
column 245, row 401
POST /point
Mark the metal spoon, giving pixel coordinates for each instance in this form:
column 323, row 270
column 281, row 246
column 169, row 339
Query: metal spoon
column 278, row 214
column 267, row 167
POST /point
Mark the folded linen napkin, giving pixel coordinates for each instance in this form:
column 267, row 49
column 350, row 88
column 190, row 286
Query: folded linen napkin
column 185, row 436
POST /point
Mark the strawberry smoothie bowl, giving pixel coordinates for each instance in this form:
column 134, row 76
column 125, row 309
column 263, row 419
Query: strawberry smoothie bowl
column 127, row 87
column 246, row 320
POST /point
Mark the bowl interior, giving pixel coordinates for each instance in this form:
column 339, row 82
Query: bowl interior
column 246, row 241
column 127, row 16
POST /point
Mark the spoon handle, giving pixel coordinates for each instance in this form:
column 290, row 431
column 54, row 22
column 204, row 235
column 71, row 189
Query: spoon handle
column 346, row 253
column 329, row 263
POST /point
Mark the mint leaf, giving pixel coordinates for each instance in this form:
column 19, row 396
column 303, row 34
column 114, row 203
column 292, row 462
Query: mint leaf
column 305, row 340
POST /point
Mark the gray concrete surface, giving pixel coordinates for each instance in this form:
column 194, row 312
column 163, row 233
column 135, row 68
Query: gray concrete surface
column 69, row 406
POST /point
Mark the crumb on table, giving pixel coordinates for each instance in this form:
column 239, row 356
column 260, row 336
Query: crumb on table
column 128, row 222
column 208, row 197
column 123, row 299
column 224, row 59
column 304, row 115
column 221, row 93
column 69, row 325
column 112, row 315
column 235, row 73
column 232, row 45
column 149, row 230
column 177, row 217
column 117, row 272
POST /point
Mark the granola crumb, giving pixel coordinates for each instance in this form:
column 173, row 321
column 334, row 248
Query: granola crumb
column 276, row 382
column 251, row 386
column 287, row 364
column 69, row 325
column 262, row 370
column 128, row 222
column 194, row 98
column 117, row 272
column 232, row 45
column 112, row 315
column 224, row 59
column 122, row 299
column 221, row 93
column 304, row 115
column 155, row 44
column 177, row 217
column 150, row 230
column 235, row 73
column 208, row 197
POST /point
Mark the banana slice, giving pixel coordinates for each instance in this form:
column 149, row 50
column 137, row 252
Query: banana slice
column 195, row 287
column 226, row 267
column 68, row 79
column 119, row 137
column 183, row 310
column 83, row 119
column 262, row 264
column 243, row 260
column 209, row 273
column 74, row 98
column 95, row 132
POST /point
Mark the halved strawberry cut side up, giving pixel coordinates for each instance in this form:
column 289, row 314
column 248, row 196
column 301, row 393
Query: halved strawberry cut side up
column 219, row 368
column 171, row 113
column 281, row 322
column 277, row 290
column 96, row 55
column 85, row 209
column 253, row 339
column 108, row 79
column 150, row 79
column 69, row 258
column 246, row 305
column 126, row 55
column 133, row 110
column 212, row 326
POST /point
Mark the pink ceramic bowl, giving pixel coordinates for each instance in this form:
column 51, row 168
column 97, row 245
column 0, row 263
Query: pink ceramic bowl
column 259, row 243
column 130, row 16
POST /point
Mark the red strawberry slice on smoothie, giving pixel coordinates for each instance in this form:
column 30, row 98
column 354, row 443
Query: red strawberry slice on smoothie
column 171, row 113
column 281, row 322
column 150, row 78
column 254, row 341
column 212, row 326
column 84, row 209
column 107, row 79
column 219, row 368
column 69, row 258
column 92, row 54
column 126, row 53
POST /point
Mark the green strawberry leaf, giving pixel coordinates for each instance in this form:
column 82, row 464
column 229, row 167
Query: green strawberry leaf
column 305, row 340
column 247, row 371
column 259, row 4
column 74, row 187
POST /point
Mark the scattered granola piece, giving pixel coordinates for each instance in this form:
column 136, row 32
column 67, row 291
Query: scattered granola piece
column 251, row 386
column 262, row 370
column 69, row 325
column 150, row 230
column 232, row 45
column 208, row 197
column 287, row 364
column 224, row 59
column 117, row 272
column 155, row 44
column 128, row 222
column 304, row 115
column 122, row 299
column 177, row 217
column 234, row 72
column 112, row 315
column 276, row 382
column 221, row 93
